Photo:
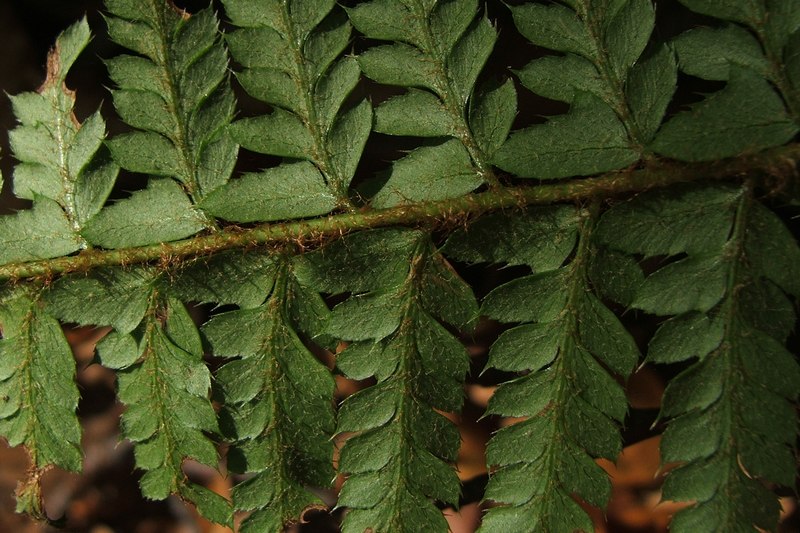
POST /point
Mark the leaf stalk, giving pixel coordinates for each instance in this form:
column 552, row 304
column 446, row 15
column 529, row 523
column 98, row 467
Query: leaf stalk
column 781, row 162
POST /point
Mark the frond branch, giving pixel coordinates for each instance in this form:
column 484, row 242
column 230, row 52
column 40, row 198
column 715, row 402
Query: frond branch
column 774, row 163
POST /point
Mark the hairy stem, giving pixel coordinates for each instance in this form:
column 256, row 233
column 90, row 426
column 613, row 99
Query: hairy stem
column 777, row 162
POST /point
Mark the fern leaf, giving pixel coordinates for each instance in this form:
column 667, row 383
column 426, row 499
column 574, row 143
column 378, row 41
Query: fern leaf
column 34, row 352
column 440, row 50
column 165, row 389
column 710, row 131
column 291, row 52
column 723, row 47
column 429, row 173
column 568, row 144
column 628, row 91
column 731, row 319
column 174, row 92
column 761, row 92
column 159, row 213
column 277, row 402
column 398, row 460
column 38, row 233
column 292, row 190
column 119, row 298
column 63, row 167
column 564, row 336
column 156, row 351
column 242, row 279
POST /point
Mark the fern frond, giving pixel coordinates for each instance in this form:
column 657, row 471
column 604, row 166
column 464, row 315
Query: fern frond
column 277, row 396
column 291, row 52
column 731, row 319
column 242, row 279
column 156, row 350
column 165, row 390
column 63, row 167
column 618, row 96
column 439, row 51
column 175, row 93
column 38, row 395
column 351, row 263
column 572, row 405
column 760, row 105
column 161, row 212
column 398, row 460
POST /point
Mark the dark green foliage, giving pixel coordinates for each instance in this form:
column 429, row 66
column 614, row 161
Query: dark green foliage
column 731, row 419
column 760, row 121
column 564, row 335
column 175, row 91
column 291, row 54
column 278, row 413
column 760, row 105
column 439, row 50
column 34, row 352
column 617, row 95
column 162, row 211
column 398, row 459
column 63, row 167
column 719, row 269
column 164, row 385
column 163, row 382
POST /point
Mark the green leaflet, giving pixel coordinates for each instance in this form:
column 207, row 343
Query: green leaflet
column 719, row 294
column 729, row 45
column 782, row 24
column 119, row 298
column 160, row 213
column 556, row 27
column 278, row 410
column 346, row 261
column 38, row 233
column 587, row 140
column 280, row 133
column 429, row 173
column 162, row 379
column 746, row 115
column 61, row 159
column 293, row 60
column 491, row 113
column 563, row 77
column 176, row 91
column 683, row 219
column 34, row 352
column 651, row 83
column 416, row 112
column 440, row 50
column 165, row 389
column 791, row 57
column 292, row 190
column 566, row 333
column 241, row 278
column 760, row 105
column 62, row 165
column 771, row 250
column 618, row 98
column 734, row 10
column 398, row 460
